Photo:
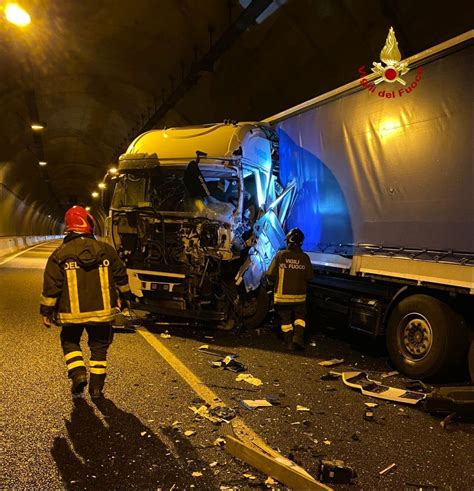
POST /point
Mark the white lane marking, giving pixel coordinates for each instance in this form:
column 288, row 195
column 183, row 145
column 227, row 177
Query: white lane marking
column 23, row 251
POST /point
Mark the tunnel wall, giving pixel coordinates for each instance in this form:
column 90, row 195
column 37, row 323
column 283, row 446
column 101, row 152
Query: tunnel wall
column 23, row 225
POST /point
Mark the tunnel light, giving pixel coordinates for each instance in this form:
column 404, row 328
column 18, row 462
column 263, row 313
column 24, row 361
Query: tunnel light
column 16, row 15
column 113, row 170
column 88, row 208
column 101, row 185
column 95, row 194
column 42, row 163
column 38, row 126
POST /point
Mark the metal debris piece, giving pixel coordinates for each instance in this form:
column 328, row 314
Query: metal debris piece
column 387, row 469
column 229, row 363
column 254, row 404
column 223, row 413
column 250, row 379
column 331, row 363
column 302, row 408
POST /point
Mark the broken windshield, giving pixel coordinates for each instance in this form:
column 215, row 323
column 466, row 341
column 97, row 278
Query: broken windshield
column 165, row 190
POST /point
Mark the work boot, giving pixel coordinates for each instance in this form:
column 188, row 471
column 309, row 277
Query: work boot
column 96, row 386
column 298, row 338
column 288, row 340
column 79, row 381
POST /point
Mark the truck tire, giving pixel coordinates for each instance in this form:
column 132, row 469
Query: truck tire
column 425, row 337
column 254, row 313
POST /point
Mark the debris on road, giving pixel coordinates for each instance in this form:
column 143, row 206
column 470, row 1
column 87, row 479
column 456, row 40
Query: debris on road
column 219, row 442
column 302, row 408
column 223, row 413
column 143, row 433
column 249, row 476
column 197, row 474
column 369, row 415
column 250, row 379
column 215, row 352
column 387, row 469
column 372, row 388
column 203, row 412
column 229, row 363
column 270, row 482
column 213, row 464
column 335, row 471
column 189, row 432
column 327, row 442
column 330, row 376
column 165, row 335
column 389, row 374
column 174, row 424
column 371, row 404
column 457, row 401
column 332, row 362
column 419, row 487
column 254, row 404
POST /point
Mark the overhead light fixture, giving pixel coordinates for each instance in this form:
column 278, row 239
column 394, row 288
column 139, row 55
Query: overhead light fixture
column 38, row 126
column 49, row 216
column 42, row 163
column 102, row 185
column 16, row 15
column 95, row 194
column 88, row 208
column 113, row 170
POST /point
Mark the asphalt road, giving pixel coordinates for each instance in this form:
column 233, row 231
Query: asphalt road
column 135, row 438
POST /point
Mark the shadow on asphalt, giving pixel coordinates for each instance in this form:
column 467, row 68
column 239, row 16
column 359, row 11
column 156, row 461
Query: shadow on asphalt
column 118, row 454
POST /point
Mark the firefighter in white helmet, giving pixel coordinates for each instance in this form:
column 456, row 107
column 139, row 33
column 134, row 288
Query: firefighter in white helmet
column 83, row 281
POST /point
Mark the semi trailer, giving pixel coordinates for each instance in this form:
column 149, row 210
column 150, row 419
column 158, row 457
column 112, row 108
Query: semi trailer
column 385, row 197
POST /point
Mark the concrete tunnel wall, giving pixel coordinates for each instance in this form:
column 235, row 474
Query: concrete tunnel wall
column 22, row 224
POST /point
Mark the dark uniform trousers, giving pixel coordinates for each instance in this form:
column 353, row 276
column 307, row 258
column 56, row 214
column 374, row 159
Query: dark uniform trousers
column 99, row 339
column 290, row 315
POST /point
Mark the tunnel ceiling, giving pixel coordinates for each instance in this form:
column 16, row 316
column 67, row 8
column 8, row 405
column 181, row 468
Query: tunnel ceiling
column 97, row 72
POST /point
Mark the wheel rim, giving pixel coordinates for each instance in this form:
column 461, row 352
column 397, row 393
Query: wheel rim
column 415, row 336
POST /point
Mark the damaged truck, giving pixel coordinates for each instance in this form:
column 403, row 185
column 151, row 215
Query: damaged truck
column 385, row 197
column 197, row 215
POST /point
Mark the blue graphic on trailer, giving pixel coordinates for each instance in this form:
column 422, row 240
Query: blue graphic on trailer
column 320, row 209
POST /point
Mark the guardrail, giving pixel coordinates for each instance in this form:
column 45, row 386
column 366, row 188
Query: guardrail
column 11, row 244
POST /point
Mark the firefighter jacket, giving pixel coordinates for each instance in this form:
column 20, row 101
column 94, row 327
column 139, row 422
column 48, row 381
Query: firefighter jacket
column 81, row 280
column 290, row 270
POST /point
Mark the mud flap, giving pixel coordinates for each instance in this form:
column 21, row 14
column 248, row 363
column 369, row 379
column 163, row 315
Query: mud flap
column 372, row 388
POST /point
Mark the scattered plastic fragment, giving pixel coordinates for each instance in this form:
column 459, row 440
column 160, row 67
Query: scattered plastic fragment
column 229, row 363
column 253, row 404
column 223, row 413
column 270, row 481
column 143, row 433
column 213, row 464
column 371, row 404
column 189, row 432
column 175, row 423
column 250, row 379
column 197, row 474
column 165, row 335
column 331, row 363
column 389, row 374
column 387, row 469
column 203, row 347
column 249, row 476
column 327, row 442
column 203, row 412
column 369, row 415
column 302, row 408
column 219, row 442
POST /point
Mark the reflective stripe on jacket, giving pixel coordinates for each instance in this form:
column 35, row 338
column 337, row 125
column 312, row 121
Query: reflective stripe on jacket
column 290, row 270
column 81, row 280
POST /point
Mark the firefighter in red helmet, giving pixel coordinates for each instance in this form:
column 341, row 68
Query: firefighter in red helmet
column 83, row 282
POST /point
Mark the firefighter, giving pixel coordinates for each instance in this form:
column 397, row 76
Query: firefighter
column 290, row 272
column 83, row 282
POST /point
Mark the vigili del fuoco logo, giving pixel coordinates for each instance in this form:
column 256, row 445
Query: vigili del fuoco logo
column 392, row 72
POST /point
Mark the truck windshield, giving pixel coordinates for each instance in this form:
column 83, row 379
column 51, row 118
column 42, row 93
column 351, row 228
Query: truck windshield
column 164, row 190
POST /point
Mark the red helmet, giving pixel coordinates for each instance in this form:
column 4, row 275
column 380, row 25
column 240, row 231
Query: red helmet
column 77, row 219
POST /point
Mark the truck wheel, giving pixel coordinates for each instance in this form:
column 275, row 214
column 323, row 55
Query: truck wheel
column 255, row 310
column 425, row 337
